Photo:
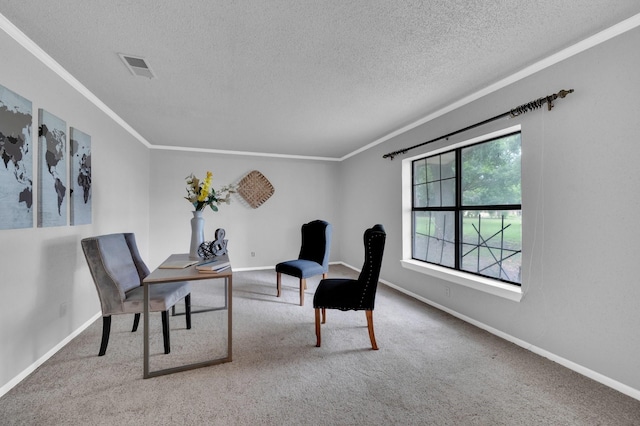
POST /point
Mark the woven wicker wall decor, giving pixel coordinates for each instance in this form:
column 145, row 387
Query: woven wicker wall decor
column 255, row 189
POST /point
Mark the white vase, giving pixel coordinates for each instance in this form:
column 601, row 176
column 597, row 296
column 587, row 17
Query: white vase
column 197, row 234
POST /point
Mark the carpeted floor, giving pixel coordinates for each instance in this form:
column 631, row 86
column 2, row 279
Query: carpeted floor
column 431, row 369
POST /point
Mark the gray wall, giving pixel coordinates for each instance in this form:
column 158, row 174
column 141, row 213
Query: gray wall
column 580, row 199
column 580, row 213
column 304, row 190
column 46, row 292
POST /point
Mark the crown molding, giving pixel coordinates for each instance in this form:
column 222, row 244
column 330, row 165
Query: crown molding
column 241, row 153
column 601, row 37
column 36, row 51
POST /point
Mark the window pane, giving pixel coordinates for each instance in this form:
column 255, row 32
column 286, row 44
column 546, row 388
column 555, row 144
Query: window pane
column 492, row 244
column 433, row 194
column 491, row 172
column 420, row 195
column 433, row 168
column 448, row 168
column 449, row 193
column 438, row 172
column 419, row 172
column 433, row 237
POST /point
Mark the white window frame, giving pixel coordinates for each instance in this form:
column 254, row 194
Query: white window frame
column 484, row 284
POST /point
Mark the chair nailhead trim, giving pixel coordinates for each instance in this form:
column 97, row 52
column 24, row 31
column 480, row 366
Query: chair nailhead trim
column 370, row 269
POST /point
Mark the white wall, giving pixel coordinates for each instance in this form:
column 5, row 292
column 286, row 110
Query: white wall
column 46, row 292
column 304, row 190
column 580, row 221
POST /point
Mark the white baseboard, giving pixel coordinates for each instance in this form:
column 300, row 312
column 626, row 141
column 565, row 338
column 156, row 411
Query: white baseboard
column 253, row 268
column 13, row 382
column 600, row 378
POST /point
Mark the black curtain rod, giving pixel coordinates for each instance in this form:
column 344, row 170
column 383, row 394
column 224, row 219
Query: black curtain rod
column 530, row 106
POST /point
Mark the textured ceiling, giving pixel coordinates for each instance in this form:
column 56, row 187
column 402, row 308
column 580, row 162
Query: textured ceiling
column 298, row 77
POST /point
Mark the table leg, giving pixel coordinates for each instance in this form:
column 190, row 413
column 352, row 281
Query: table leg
column 228, row 287
column 146, row 331
column 228, row 302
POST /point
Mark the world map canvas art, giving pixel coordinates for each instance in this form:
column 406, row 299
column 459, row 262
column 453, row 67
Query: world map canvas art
column 80, row 161
column 52, row 170
column 16, row 169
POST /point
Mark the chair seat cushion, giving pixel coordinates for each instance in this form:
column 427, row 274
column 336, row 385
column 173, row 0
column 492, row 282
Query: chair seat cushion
column 339, row 293
column 300, row 268
column 161, row 297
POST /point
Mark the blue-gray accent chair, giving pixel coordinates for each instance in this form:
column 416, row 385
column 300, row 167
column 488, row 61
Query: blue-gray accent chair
column 348, row 294
column 313, row 259
column 118, row 270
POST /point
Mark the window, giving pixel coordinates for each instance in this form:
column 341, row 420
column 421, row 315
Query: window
column 466, row 209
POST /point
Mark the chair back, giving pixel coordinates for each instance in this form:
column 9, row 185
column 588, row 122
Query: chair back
column 316, row 242
column 116, row 267
column 374, row 240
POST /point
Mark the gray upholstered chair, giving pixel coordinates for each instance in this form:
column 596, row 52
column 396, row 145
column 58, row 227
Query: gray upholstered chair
column 313, row 258
column 118, row 270
column 347, row 294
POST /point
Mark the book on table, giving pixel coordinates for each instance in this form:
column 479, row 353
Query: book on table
column 215, row 271
column 214, row 265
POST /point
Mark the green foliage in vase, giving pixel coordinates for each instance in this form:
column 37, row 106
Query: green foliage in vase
column 201, row 193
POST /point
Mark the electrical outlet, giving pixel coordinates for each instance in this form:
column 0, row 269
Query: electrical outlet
column 253, row 254
column 63, row 309
column 447, row 291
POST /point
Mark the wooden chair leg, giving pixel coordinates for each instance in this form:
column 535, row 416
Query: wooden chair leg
column 318, row 327
column 279, row 284
column 372, row 336
column 325, row 275
column 165, row 331
column 324, row 315
column 303, row 286
column 136, row 321
column 106, row 329
column 187, row 310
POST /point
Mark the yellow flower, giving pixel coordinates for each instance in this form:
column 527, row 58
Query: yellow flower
column 206, row 187
column 201, row 193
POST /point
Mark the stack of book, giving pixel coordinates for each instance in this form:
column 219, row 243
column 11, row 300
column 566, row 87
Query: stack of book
column 213, row 266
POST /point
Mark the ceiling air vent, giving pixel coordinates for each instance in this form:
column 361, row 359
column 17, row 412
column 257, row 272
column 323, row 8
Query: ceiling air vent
column 137, row 65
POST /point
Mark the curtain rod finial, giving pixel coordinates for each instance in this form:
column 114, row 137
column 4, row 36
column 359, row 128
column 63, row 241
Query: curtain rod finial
column 564, row 93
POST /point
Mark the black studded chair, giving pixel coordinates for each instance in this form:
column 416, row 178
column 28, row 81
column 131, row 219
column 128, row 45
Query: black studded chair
column 118, row 270
column 313, row 259
column 348, row 294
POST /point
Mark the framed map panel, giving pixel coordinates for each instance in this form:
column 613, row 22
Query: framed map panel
column 52, row 170
column 16, row 168
column 80, row 185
